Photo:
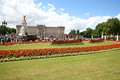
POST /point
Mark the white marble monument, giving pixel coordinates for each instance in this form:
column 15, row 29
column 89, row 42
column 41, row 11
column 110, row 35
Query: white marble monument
column 23, row 29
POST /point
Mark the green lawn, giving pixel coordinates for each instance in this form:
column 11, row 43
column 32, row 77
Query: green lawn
column 49, row 45
column 102, row 66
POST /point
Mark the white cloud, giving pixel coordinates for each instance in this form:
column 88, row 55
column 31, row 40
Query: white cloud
column 93, row 21
column 87, row 14
column 13, row 10
column 118, row 16
column 61, row 9
column 51, row 7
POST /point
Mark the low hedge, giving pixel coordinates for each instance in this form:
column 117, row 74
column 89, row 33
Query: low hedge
column 96, row 40
column 65, row 41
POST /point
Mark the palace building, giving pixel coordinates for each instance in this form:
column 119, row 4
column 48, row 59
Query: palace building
column 41, row 31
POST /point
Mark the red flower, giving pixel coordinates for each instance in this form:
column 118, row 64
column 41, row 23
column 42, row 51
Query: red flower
column 46, row 51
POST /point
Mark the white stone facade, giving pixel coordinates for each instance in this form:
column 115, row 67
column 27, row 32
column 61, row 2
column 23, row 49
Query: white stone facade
column 44, row 31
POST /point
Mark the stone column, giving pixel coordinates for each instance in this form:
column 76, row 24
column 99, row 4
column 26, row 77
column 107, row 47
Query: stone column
column 92, row 37
column 105, row 37
column 117, row 37
column 82, row 37
column 102, row 36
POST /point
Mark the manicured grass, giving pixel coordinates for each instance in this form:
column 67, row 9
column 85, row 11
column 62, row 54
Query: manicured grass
column 49, row 45
column 102, row 66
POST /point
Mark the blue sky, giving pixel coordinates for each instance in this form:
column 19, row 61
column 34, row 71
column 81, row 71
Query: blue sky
column 81, row 7
column 73, row 14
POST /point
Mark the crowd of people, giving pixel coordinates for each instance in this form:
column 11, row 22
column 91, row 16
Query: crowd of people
column 8, row 38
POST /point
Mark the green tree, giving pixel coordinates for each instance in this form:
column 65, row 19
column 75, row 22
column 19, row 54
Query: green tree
column 95, row 33
column 13, row 30
column 4, row 30
column 83, row 33
column 88, row 32
column 113, row 26
column 72, row 33
column 77, row 32
column 101, row 27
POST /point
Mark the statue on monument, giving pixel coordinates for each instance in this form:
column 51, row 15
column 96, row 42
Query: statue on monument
column 24, row 18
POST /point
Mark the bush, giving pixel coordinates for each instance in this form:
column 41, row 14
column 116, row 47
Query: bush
column 65, row 41
column 96, row 40
column 30, row 37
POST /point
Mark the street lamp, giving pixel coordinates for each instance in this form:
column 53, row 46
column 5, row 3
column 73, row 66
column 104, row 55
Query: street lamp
column 4, row 23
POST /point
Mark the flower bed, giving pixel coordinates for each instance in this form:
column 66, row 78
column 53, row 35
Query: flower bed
column 51, row 51
column 65, row 41
column 53, row 42
column 12, row 43
column 8, row 43
column 96, row 40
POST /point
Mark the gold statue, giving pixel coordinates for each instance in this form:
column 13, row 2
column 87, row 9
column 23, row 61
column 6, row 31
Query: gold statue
column 24, row 18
